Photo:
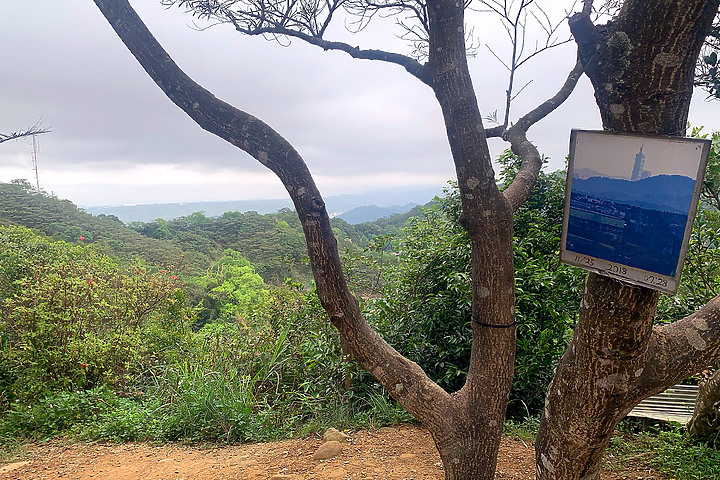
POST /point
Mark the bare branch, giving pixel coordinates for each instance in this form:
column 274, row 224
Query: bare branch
column 514, row 19
column 308, row 20
column 498, row 58
column 538, row 51
column 412, row 66
column 527, row 84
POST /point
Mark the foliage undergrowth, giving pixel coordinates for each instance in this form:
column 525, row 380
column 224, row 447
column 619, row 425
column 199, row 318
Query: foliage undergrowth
column 99, row 351
column 670, row 450
column 525, row 430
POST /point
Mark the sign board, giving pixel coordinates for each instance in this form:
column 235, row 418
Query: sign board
column 630, row 202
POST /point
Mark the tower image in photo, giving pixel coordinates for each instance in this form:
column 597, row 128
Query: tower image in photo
column 639, row 172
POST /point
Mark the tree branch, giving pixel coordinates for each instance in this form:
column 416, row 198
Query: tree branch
column 520, row 188
column 682, row 348
column 307, row 21
column 412, row 66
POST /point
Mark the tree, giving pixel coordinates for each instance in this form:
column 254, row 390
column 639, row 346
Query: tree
column 233, row 286
column 642, row 67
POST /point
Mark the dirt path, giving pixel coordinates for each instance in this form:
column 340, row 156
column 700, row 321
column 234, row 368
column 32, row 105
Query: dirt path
column 399, row 453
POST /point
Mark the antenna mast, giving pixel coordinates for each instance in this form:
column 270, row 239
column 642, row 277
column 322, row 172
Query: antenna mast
column 35, row 162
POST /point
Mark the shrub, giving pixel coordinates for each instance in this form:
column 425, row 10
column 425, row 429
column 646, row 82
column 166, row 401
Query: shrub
column 72, row 319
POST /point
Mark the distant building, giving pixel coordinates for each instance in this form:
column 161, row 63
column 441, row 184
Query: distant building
column 639, row 171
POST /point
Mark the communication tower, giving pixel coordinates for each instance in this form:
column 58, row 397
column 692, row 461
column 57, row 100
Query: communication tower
column 35, row 161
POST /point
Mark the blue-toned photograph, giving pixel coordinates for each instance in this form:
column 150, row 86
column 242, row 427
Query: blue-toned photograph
column 630, row 199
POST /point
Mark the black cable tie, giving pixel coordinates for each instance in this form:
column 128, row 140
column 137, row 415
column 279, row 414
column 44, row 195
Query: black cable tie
column 492, row 325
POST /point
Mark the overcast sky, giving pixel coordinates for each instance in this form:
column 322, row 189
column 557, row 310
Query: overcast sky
column 614, row 155
column 360, row 125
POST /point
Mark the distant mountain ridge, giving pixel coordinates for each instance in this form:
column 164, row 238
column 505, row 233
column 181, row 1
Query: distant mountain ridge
column 669, row 193
column 370, row 213
column 585, row 173
column 383, row 202
column 273, row 242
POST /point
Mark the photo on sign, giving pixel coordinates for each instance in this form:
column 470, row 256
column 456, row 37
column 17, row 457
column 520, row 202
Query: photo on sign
column 631, row 203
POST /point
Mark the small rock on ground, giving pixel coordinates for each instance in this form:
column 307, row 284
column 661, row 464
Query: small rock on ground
column 328, row 450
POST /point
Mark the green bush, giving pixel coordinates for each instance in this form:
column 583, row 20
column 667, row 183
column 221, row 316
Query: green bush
column 671, row 451
column 56, row 413
column 97, row 350
column 72, row 319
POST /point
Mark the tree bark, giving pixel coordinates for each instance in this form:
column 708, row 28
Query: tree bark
column 641, row 66
column 705, row 421
column 470, row 443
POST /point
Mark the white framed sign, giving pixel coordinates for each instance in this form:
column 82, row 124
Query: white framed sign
column 630, row 203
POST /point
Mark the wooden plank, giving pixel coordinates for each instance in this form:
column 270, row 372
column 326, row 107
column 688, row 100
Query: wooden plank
column 676, row 404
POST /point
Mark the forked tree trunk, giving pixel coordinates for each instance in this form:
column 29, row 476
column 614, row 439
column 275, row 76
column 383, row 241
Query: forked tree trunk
column 642, row 69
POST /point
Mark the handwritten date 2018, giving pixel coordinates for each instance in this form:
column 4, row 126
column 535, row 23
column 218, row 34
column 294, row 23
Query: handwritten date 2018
column 617, row 269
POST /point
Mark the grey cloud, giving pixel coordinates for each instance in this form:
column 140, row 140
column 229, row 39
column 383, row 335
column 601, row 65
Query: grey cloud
column 346, row 117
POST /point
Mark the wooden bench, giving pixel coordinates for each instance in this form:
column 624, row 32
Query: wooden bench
column 676, row 404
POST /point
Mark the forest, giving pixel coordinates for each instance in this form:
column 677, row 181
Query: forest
column 210, row 329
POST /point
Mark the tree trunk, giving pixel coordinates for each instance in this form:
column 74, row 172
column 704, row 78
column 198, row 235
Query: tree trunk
column 705, row 421
column 469, row 442
column 642, row 69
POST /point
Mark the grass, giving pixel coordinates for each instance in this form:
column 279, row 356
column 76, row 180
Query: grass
column 668, row 449
column 524, row 430
column 10, row 448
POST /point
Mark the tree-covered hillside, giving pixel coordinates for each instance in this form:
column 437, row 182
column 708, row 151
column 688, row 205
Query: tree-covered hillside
column 273, row 243
column 60, row 219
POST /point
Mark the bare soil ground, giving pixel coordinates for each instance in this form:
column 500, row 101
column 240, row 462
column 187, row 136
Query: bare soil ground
column 398, row 453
